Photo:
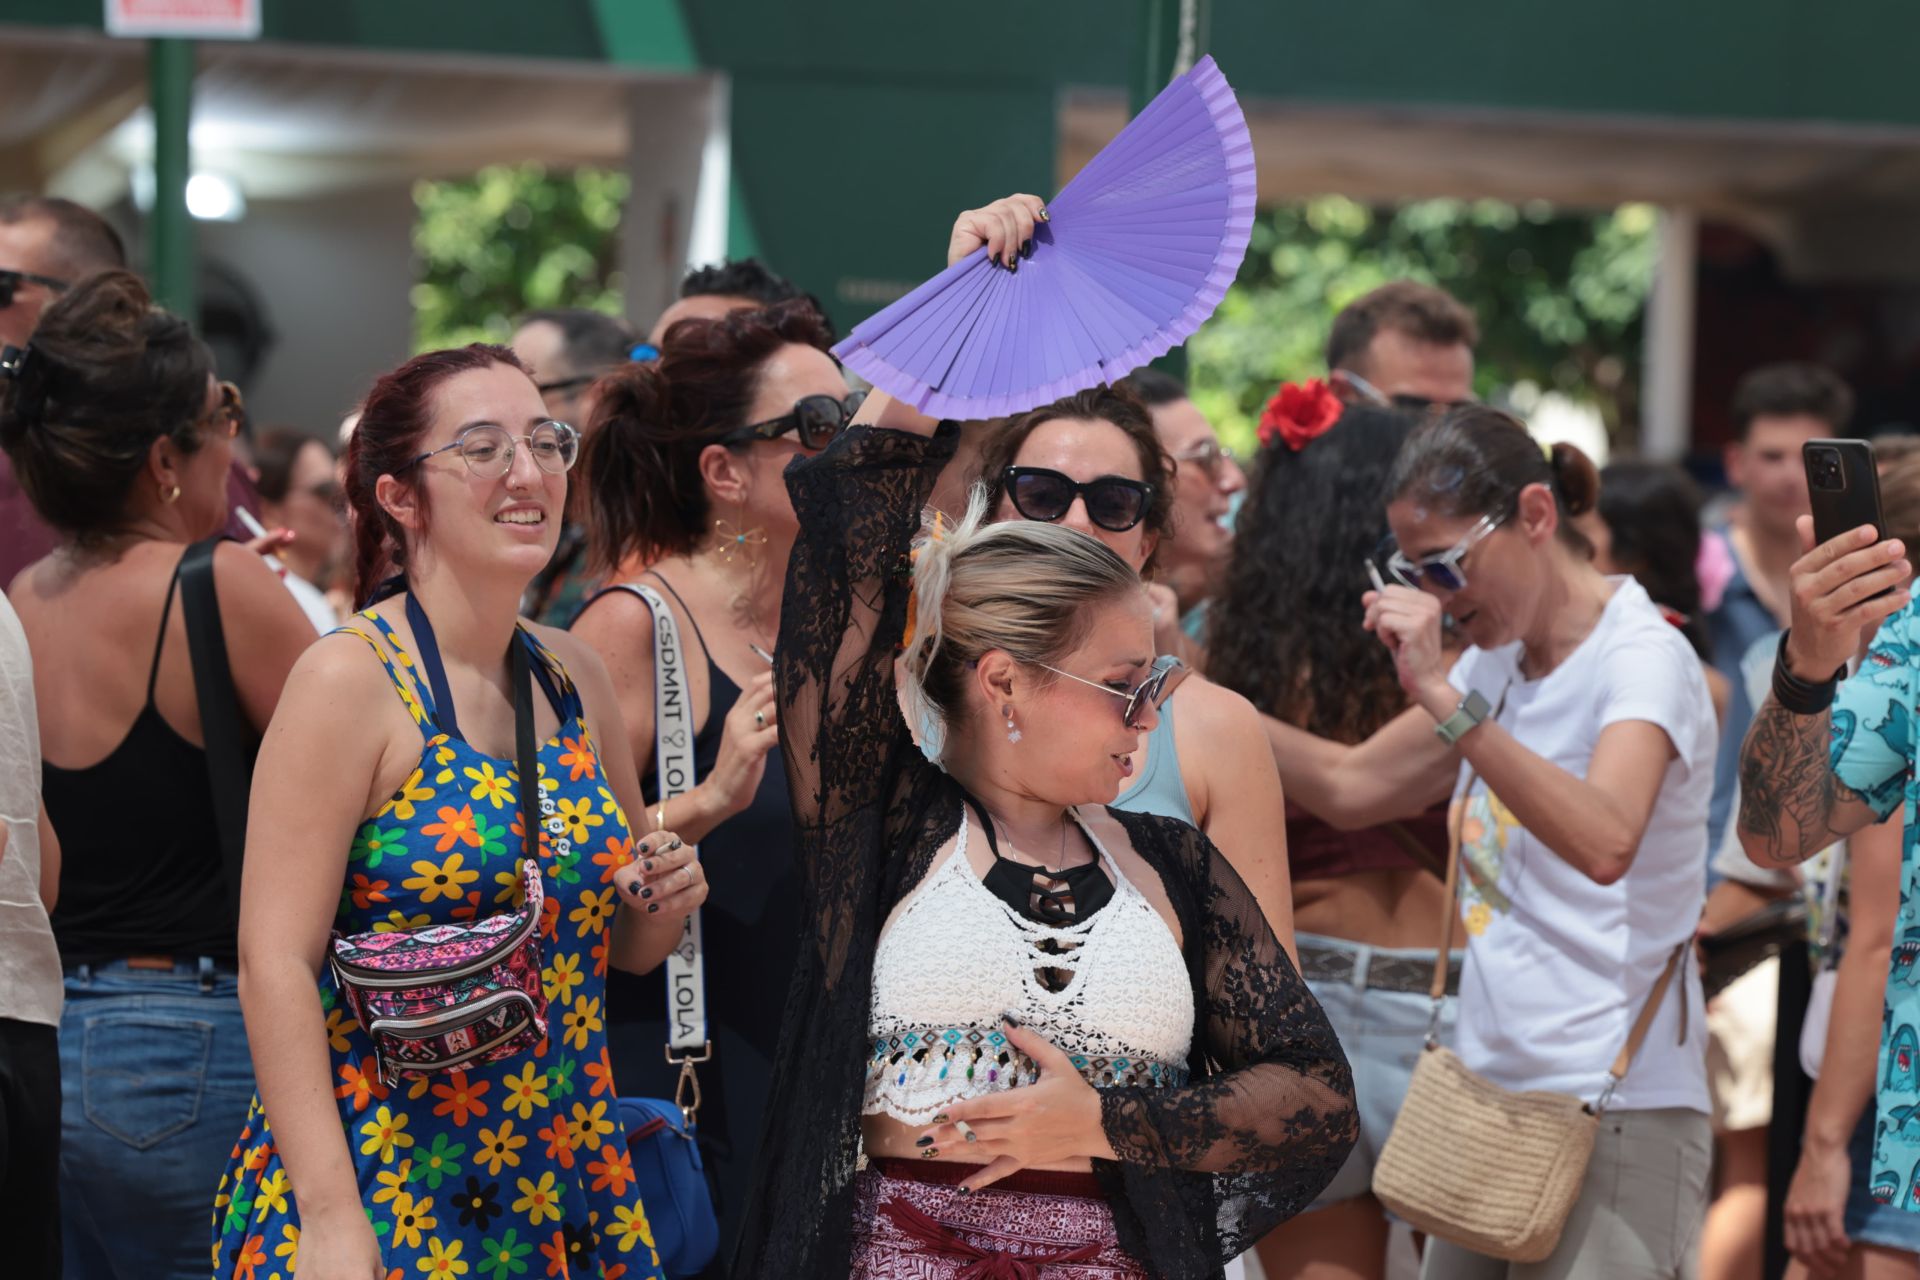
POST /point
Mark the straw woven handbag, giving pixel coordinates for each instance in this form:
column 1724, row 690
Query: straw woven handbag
column 1486, row 1168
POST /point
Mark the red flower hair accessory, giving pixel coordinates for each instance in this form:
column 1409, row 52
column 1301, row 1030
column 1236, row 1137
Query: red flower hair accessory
column 1299, row 412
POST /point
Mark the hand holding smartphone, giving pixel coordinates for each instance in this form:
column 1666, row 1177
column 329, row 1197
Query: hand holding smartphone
column 1853, row 576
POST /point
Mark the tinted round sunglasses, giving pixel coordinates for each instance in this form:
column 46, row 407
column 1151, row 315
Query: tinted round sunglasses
column 1115, row 503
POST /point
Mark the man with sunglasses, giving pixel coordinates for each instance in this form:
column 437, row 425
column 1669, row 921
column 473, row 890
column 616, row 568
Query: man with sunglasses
column 1406, row 346
column 1207, row 487
column 46, row 246
column 567, row 349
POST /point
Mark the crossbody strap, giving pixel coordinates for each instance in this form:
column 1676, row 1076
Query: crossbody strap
column 230, row 744
column 687, row 1039
column 1450, row 912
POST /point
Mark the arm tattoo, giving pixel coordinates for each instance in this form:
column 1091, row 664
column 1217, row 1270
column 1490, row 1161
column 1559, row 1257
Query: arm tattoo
column 1788, row 792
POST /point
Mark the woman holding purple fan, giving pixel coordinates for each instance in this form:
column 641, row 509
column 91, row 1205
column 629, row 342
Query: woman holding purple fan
column 1063, row 1036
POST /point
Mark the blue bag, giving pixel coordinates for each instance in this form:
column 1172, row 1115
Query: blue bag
column 673, row 1184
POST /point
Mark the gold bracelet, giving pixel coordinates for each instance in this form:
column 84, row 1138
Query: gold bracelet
column 660, row 817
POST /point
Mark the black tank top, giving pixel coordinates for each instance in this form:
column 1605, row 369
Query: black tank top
column 140, row 869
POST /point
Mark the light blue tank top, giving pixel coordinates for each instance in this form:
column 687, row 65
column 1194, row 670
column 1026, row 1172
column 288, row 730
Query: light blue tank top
column 1160, row 789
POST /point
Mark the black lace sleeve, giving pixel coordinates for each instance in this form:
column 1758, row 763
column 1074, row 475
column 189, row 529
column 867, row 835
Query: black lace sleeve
column 869, row 814
column 1269, row 1115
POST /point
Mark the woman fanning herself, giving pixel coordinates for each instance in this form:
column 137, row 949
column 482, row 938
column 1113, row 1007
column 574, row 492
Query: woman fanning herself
column 1064, row 1035
column 1287, row 634
column 1093, row 462
column 388, row 797
column 685, row 478
column 1588, row 740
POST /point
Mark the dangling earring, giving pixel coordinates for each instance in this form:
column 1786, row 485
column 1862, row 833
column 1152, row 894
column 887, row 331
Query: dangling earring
column 735, row 541
column 170, row 496
column 1013, row 730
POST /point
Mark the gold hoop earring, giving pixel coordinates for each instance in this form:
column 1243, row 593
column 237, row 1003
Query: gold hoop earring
column 170, row 496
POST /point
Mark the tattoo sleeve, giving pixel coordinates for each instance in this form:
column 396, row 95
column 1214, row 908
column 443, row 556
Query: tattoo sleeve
column 1788, row 791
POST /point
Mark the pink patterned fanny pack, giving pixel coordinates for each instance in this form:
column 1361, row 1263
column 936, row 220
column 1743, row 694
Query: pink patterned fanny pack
column 448, row 996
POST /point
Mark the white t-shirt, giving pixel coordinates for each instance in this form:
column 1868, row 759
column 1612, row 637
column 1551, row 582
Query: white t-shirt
column 31, row 987
column 1557, row 965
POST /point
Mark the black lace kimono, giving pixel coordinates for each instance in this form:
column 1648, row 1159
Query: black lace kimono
column 1204, row 1170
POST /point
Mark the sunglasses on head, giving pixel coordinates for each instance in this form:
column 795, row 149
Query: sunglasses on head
column 1168, row 671
column 1115, row 503
column 1442, row 570
column 818, row 419
column 10, row 282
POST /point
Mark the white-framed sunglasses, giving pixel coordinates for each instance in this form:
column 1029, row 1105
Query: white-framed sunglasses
column 1442, row 571
column 1167, row 674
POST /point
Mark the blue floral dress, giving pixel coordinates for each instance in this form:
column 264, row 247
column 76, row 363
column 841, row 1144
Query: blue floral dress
column 519, row 1167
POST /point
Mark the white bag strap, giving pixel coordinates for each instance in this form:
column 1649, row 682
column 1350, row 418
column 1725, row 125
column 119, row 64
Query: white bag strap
column 687, row 1039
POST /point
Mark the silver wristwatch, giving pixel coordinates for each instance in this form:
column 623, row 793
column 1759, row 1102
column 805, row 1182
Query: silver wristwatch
column 1472, row 710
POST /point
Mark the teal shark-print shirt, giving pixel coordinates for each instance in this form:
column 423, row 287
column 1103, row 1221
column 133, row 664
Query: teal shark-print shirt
column 1873, row 754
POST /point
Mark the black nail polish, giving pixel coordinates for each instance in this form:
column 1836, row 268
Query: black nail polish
column 646, row 866
column 646, row 893
column 652, row 907
column 646, row 848
column 924, row 1142
column 1010, row 1018
column 1026, row 249
column 1014, row 266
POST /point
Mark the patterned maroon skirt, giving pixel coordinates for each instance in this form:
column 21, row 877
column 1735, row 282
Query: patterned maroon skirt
column 912, row 1223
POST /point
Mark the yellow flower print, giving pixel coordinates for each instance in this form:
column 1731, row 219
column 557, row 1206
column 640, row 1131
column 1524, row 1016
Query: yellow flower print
column 489, row 786
column 411, row 793
column 412, row 702
column 594, row 911
column 1478, row 918
column 509, row 882
column 562, row 977
column 526, row 1091
column 499, row 1147
column 591, row 1126
column 410, row 1218
column 443, row 1259
column 580, row 818
column 538, row 1201
column 448, row 880
column 631, row 1227
column 610, row 806
column 272, row 1196
column 581, row 1021
column 384, row 1133
column 392, row 1181
column 397, row 919
column 289, row 1246
column 443, row 754
column 339, row 1024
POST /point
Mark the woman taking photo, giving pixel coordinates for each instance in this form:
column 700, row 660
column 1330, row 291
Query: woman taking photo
column 1580, row 765
column 122, row 438
column 1093, row 462
column 985, row 922
column 1365, row 901
column 687, row 499
column 388, row 797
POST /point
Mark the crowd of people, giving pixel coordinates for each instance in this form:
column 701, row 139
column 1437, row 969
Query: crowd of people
column 670, row 675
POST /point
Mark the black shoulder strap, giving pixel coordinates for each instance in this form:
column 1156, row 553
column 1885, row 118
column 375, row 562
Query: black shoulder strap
column 230, row 741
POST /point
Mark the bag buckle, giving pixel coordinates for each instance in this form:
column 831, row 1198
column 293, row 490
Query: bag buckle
column 686, row 1090
column 1605, row 1099
column 1433, row 1026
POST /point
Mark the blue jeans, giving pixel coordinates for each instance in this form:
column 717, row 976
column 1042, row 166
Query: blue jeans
column 155, row 1081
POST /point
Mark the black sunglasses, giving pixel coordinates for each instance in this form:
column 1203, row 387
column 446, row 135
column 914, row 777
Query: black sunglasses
column 1114, row 503
column 10, row 282
column 818, row 419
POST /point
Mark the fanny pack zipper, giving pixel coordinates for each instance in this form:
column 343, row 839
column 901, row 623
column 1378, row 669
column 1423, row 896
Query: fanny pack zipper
column 347, row 971
column 439, row 1024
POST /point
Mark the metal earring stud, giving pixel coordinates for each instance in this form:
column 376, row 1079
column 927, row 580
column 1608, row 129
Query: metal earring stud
column 1013, row 730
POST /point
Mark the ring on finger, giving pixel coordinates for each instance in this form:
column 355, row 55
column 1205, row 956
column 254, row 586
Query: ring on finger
column 688, row 872
column 759, row 719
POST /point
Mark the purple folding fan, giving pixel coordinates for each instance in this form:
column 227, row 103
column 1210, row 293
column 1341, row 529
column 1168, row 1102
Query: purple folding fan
column 1140, row 248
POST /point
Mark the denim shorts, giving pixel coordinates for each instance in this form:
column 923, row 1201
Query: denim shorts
column 1867, row 1220
column 155, row 1082
column 1382, row 1033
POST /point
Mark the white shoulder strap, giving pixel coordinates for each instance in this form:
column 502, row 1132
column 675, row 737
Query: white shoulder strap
column 673, row 766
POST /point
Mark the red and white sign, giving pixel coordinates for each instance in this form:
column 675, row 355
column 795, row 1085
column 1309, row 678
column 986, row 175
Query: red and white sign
column 189, row 19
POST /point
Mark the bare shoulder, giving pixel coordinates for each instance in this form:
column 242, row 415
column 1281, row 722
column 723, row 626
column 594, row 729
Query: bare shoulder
column 339, row 666
column 613, row 619
column 1221, row 719
column 243, row 577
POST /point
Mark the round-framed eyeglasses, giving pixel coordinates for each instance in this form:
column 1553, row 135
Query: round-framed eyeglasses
column 1167, row 674
column 487, row 449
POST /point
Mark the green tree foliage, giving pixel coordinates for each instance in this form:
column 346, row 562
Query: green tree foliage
column 1559, row 296
column 510, row 239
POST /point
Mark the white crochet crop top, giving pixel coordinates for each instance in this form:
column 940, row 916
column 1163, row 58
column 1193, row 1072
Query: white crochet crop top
column 956, row 957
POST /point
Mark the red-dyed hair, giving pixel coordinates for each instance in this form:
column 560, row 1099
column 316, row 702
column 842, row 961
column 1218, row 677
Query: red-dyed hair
column 393, row 421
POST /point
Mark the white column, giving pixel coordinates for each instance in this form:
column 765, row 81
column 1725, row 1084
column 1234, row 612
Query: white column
column 670, row 129
column 1666, row 409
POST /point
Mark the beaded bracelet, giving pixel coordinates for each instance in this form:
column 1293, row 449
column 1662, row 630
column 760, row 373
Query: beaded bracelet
column 1802, row 697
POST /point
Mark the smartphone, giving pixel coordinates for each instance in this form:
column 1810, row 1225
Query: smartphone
column 1844, row 486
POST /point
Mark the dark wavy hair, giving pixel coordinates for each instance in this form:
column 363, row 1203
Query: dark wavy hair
column 1118, row 404
column 1652, row 514
column 1285, row 632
